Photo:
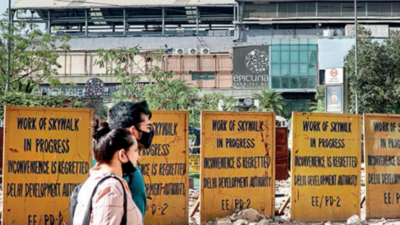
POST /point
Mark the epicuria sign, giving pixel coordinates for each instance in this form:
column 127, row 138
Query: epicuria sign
column 251, row 67
column 257, row 61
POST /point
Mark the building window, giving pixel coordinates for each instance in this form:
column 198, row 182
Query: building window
column 298, row 105
column 202, row 76
column 294, row 66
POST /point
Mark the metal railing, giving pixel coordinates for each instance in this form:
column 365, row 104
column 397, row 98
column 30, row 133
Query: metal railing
column 187, row 33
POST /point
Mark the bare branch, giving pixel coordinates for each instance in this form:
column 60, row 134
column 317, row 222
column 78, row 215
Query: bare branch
column 2, row 69
column 25, row 75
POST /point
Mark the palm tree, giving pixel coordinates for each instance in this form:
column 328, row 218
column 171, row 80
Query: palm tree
column 271, row 101
column 318, row 107
column 229, row 104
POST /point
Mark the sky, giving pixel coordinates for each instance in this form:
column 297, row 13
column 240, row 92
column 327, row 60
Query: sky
column 4, row 6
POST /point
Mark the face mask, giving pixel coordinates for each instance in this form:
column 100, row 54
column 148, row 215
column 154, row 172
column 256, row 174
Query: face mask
column 127, row 168
column 146, row 139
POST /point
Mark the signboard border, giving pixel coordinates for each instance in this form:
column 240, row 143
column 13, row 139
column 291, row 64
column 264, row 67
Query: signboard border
column 367, row 202
column 273, row 147
column 6, row 144
column 292, row 166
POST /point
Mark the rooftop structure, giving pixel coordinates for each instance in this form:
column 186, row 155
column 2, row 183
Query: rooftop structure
column 314, row 12
column 77, row 4
column 122, row 17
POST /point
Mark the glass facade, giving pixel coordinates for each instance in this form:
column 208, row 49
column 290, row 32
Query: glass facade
column 298, row 105
column 293, row 66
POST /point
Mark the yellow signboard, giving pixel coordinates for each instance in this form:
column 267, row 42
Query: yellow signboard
column 194, row 163
column 237, row 163
column 325, row 167
column 46, row 155
column 382, row 164
column 165, row 169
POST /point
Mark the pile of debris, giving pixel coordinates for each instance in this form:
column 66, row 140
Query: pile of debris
column 246, row 216
column 194, row 212
column 194, row 195
column 252, row 217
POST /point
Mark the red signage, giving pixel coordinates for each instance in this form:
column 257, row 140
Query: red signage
column 334, row 72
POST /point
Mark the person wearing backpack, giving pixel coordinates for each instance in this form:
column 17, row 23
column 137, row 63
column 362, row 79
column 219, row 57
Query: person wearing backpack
column 134, row 117
column 105, row 197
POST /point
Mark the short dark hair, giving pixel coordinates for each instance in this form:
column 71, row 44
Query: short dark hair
column 127, row 114
column 107, row 141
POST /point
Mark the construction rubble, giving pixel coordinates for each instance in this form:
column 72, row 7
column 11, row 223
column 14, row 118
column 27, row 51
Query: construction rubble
column 282, row 192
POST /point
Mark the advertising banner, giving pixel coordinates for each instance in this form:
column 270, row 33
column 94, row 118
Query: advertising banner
column 251, row 67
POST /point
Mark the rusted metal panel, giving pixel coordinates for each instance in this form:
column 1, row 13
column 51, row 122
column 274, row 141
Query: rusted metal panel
column 282, row 154
column 237, row 163
column 281, row 136
column 325, row 166
column 382, row 161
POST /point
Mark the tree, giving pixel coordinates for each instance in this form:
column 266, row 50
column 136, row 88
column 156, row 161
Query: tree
column 377, row 83
column 127, row 67
column 210, row 102
column 33, row 54
column 26, row 87
column 166, row 93
column 271, row 101
column 319, row 106
column 34, row 100
column 163, row 91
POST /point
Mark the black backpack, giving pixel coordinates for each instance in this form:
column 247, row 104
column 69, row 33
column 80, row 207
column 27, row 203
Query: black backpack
column 74, row 201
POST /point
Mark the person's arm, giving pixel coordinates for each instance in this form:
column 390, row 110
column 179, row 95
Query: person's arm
column 108, row 205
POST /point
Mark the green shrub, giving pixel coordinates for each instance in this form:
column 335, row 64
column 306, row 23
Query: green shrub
column 35, row 100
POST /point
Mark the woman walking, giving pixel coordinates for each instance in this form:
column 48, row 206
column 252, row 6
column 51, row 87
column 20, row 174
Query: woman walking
column 116, row 152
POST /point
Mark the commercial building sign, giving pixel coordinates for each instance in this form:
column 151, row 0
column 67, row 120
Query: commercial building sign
column 78, row 90
column 382, row 164
column 237, row 163
column 165, row 169
column 334, row 76
column 325, row 167
column 47, row 153
column 251, row 67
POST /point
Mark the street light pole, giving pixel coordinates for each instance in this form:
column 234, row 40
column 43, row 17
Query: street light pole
column 8, row 48
column 356, row 48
